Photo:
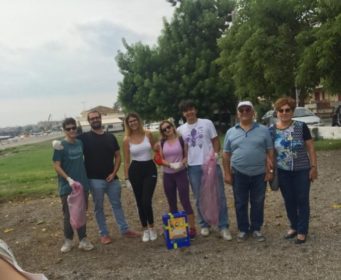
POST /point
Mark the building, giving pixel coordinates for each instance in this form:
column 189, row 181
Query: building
column 112, row 121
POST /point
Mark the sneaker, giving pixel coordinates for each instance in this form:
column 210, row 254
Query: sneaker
column 152, row 234
column 131, row 234
column 192, row 233
column 225, row 234
column 85, row 245
column 67, row 246
column 145, row 236
column 258, row 236
column 242, row 236
column 106, row 239
column 205, row 231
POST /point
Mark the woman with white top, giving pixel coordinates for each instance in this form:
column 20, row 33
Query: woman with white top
column 140, row 171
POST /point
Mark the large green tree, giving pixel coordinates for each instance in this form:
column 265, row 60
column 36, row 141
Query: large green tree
column 182, row 65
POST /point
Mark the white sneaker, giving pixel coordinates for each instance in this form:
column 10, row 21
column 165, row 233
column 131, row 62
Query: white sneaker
column 85, row 245
column 67, row 246
column 146, row 235
column 152, row 234
column 225, row 234
column 205, row 231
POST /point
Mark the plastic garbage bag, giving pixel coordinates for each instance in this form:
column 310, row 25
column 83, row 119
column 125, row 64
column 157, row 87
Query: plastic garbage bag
column 77, row 206
column 209, row 196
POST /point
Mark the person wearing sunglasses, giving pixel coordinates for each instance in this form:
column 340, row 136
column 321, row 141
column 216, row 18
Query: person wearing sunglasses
column 174, row 157
column 247, row 158
column 296, row 165
column 69, row 165
column 202, row 139
column 140, row 171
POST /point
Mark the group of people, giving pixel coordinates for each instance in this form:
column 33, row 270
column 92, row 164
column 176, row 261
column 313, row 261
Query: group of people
column 251, row 152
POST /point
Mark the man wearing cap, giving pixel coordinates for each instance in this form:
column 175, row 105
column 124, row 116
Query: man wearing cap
column 247, row 157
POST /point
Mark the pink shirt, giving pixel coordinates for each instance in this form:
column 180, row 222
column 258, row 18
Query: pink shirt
column 172, row 152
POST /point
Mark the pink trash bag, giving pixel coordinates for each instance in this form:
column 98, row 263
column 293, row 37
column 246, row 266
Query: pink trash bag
column 77, row 206
column 209, row 197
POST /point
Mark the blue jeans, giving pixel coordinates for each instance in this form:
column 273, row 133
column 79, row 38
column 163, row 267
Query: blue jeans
column 113, row 190
column 247, row 188
column 195, row 176
column 295, row 187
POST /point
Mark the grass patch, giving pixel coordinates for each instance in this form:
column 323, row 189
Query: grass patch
column 326, row 145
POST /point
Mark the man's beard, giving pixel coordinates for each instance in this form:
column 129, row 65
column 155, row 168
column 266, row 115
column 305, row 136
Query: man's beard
column 96, row 125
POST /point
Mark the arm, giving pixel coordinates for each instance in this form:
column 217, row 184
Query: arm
column 126, row 154
column 57, row 166
column 117, row 164
column 151, row 138
column 313, row 159
column 227, row 167
column 216, row 144
column 269, row 165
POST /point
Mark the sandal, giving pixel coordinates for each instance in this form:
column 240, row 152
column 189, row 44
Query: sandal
column 290, row 234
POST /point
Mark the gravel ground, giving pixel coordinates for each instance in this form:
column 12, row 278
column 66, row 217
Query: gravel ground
column 33, row 229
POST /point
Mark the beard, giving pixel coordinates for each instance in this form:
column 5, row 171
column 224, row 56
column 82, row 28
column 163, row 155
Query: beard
column 96, row 125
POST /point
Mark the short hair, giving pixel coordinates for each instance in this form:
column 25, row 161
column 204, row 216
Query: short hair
column 68, row 121
column 127, row 130
column 93, row 112
column 285, row 101
column 187, row 104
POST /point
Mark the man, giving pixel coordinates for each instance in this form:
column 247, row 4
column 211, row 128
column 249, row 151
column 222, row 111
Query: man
column 69, row 165
column 247, row 150
column 102, row 162
column 201, row 137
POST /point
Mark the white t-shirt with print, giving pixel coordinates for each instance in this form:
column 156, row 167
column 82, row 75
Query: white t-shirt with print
column 198, row 137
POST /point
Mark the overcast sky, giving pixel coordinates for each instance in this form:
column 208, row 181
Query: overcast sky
column 58, row 56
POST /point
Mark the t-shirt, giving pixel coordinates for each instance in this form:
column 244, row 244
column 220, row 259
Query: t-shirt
column 172, row 152
column 99, row 151
column 72, row 162
column 291, row 153
column 198, row 137
column 248, row 148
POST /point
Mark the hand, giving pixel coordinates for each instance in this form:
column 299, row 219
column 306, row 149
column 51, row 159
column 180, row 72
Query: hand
column 176, row 165
column 313, row 174
column 70, row 181
column 269, row 176
column 228, row 179
column 57, row 145
column 128, row 185
column 110, row 177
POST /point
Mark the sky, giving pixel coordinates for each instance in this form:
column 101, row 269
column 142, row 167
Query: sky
column 57, row 57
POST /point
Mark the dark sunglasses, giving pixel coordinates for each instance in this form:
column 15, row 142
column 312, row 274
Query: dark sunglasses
column 168, row 127
column 287, row 110
column 246, row 109
column 70, row 128
column 94, row 119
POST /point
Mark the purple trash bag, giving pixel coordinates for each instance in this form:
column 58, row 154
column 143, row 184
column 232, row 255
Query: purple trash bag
column 77, row 206
column 209, row 198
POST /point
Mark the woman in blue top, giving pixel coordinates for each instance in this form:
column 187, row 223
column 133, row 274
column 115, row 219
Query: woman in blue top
column 297, row 166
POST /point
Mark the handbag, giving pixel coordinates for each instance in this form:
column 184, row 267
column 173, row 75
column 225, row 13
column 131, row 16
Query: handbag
column 274, row 185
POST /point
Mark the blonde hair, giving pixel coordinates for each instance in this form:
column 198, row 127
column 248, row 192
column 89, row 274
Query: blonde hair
column 160, row 128
column 127, row 130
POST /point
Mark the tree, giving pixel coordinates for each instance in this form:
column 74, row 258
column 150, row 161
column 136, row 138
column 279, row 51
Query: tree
column 182, row 65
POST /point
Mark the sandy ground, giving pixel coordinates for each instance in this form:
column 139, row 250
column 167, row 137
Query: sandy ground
column 33, row 228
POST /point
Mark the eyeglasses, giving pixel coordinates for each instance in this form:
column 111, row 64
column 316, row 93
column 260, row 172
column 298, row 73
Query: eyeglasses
column 245, row 109
column 286, row 110
column 70, row 128
column 94, row 118
column 164, row 129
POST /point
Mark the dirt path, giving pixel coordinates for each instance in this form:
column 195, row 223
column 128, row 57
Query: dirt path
column 33, row 230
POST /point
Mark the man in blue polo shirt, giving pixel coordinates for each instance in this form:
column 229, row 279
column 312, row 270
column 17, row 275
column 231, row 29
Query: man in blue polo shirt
column 247, row 157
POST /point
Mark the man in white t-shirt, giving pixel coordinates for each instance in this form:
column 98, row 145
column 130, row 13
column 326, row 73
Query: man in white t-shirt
column 201, row 137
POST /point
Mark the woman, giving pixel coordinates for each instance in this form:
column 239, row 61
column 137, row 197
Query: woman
column 296, row 165
column 172, row 150
column 140, row 171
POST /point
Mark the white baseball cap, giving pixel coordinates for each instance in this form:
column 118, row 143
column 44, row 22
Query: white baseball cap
column 244, row 103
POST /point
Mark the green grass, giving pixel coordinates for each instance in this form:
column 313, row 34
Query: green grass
column 326, row 145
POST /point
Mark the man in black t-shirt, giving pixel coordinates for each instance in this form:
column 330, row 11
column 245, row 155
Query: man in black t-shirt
column 102, row 161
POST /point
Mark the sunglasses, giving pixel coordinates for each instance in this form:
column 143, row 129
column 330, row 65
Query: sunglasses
column 287, row 110
column 70, row 128
column 246, row 109
column 164, row 129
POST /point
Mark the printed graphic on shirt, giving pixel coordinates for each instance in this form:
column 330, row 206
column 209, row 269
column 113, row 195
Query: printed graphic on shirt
column 195, row 138
column 75, row 152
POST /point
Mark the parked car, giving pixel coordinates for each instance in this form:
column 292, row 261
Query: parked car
column 301, row 114
column 336, row 116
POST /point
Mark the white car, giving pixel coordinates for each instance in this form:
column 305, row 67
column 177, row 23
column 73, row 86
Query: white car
column 301, row 114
